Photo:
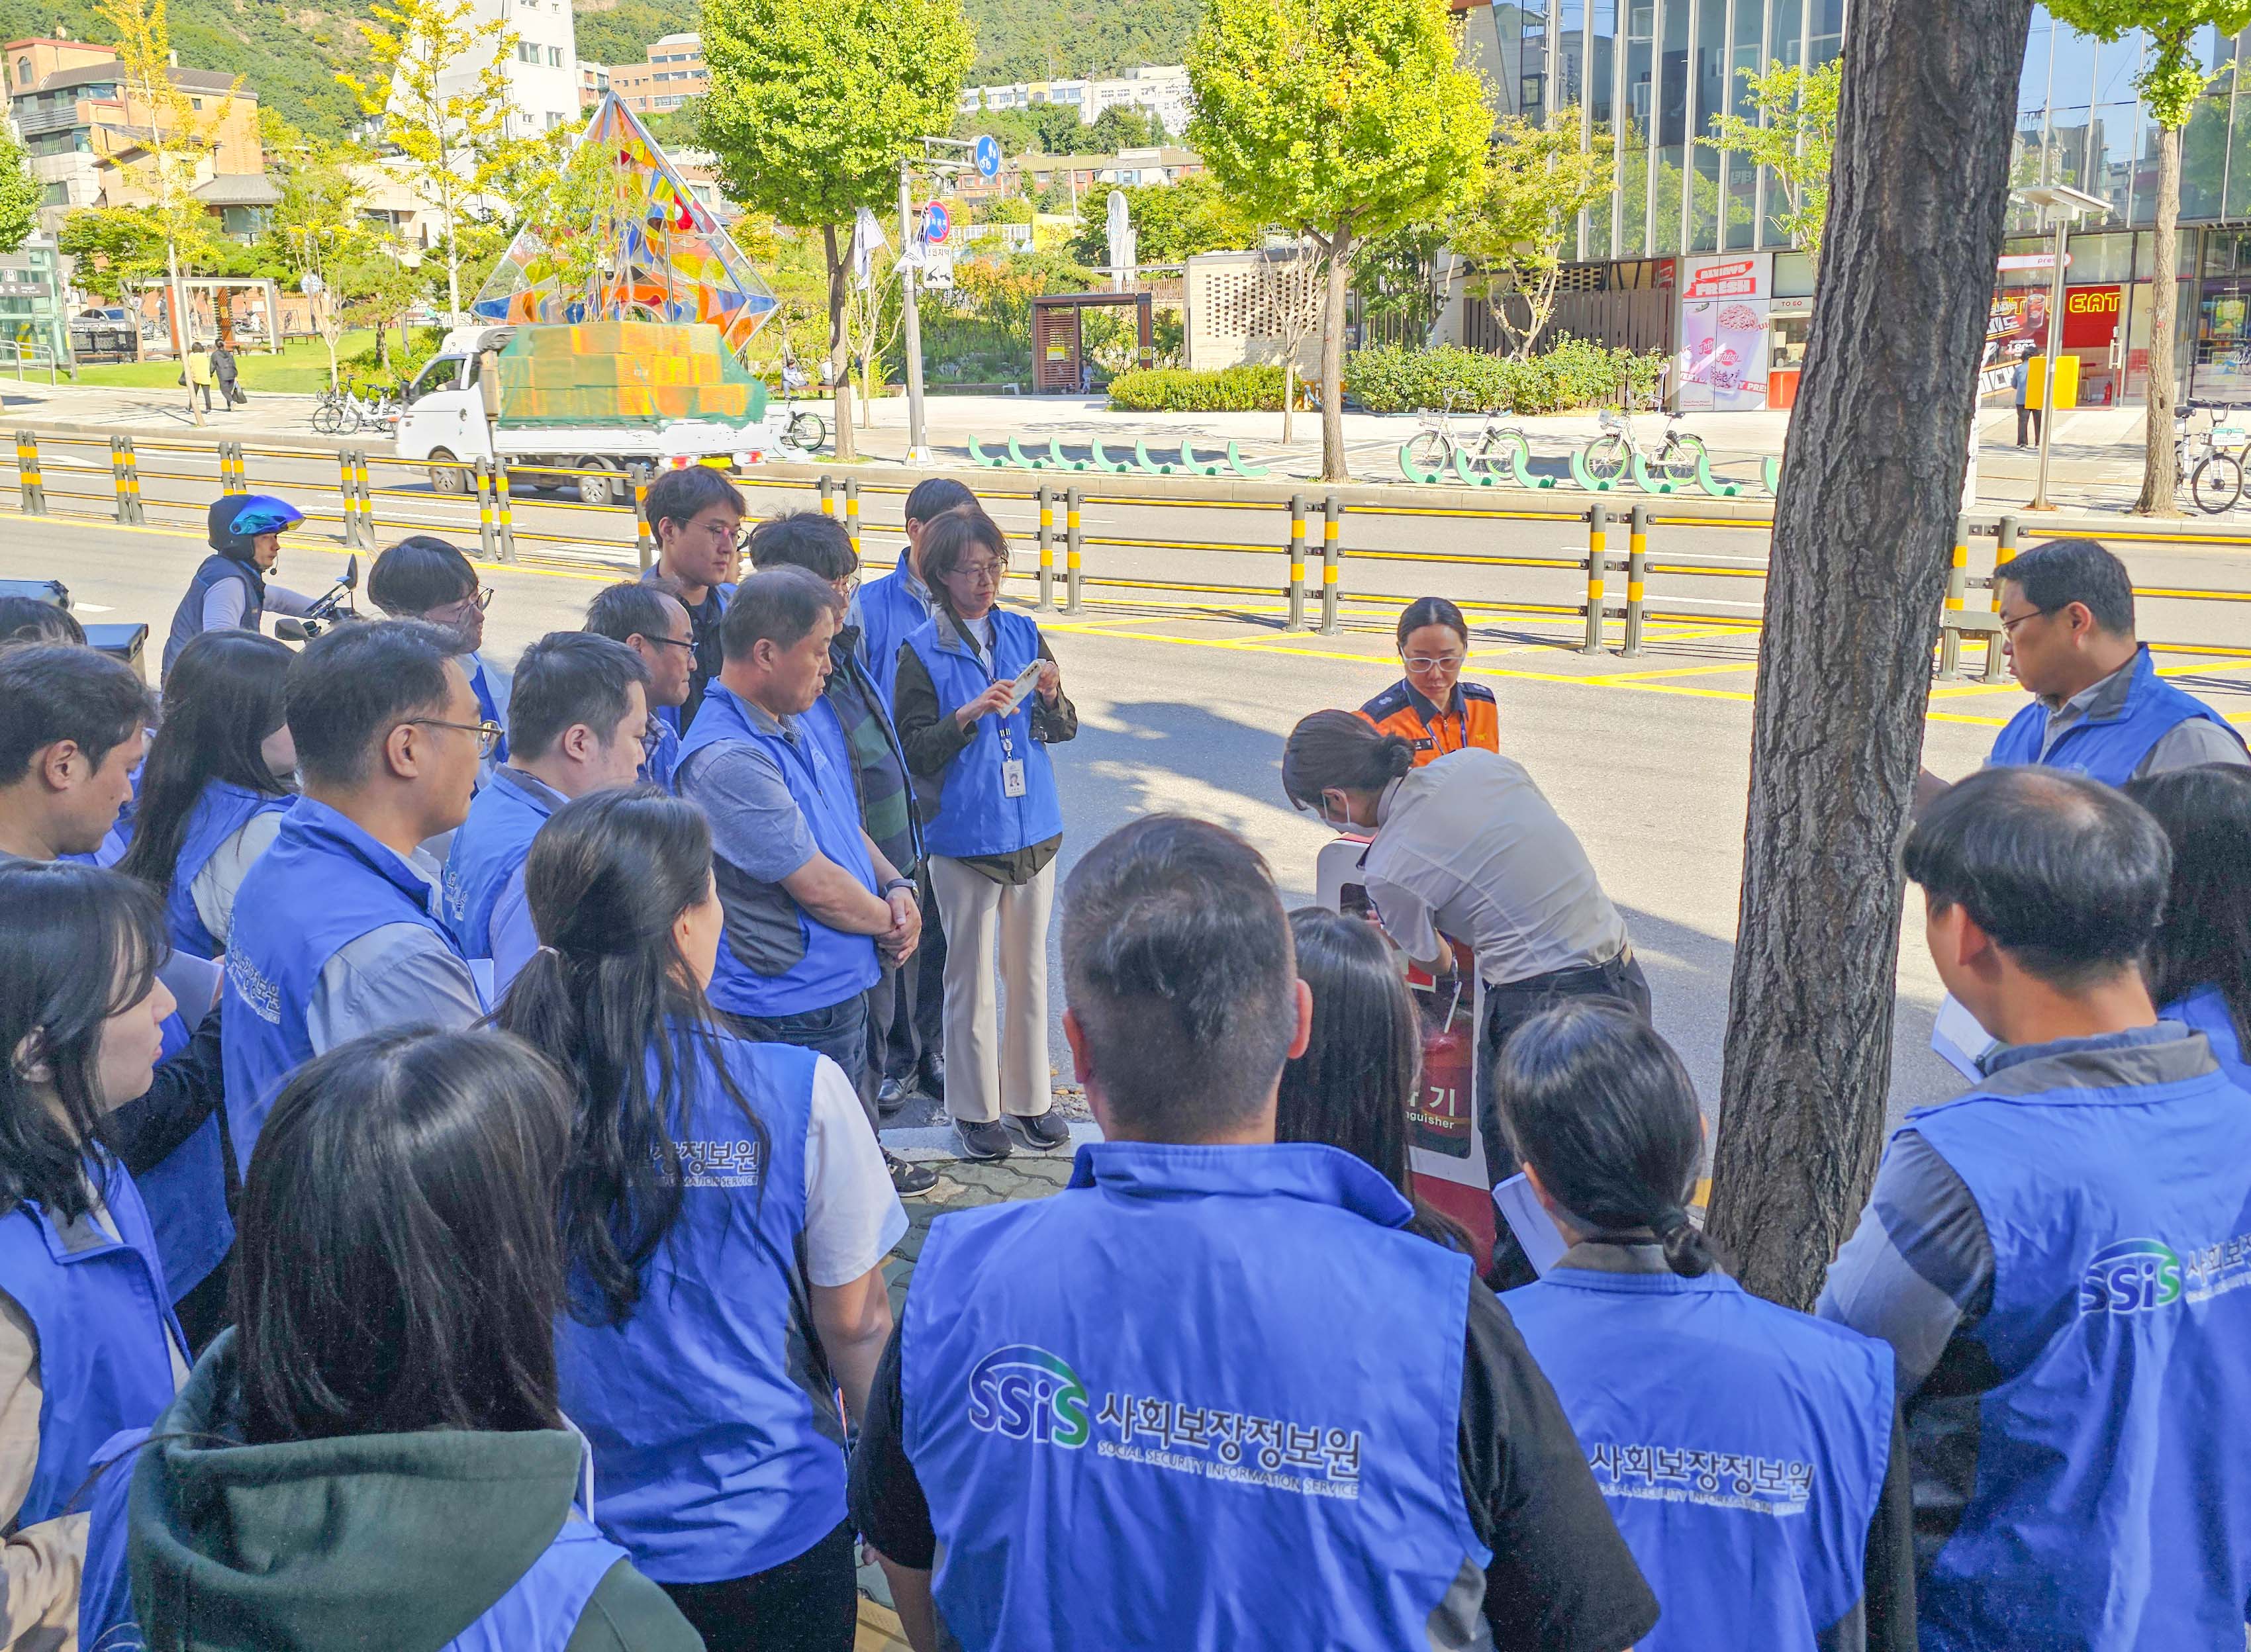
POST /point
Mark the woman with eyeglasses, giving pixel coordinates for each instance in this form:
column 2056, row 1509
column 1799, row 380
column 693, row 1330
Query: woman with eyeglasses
column 423, row 577
column 1431, row 708
column 992, row 823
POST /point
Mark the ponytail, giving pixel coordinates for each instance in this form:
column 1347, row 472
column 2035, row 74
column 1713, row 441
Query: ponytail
column 1341, row 752
column 1596, row 1102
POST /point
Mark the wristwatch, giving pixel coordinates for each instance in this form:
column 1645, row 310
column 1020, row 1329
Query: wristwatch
column 908, row 884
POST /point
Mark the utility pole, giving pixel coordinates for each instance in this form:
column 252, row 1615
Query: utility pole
column 910, row 260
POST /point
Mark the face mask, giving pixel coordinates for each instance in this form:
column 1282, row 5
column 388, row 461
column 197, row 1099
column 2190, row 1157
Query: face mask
column 1345, row 825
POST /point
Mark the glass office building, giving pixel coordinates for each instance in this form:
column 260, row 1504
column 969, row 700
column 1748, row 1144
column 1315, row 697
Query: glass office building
column 1646, row 79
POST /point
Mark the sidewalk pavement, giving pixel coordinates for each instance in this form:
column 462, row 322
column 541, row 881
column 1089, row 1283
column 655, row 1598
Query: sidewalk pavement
column 2095, row 460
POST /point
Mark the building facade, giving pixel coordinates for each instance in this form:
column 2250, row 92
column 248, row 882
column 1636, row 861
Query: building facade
column 675, row 73
column 1646, row 79
column 542, row 68
column 1158, row 89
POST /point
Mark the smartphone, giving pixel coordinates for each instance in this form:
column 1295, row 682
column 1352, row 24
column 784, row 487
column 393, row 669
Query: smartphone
column 1026, row 680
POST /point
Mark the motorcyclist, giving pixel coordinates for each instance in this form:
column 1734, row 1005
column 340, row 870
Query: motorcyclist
column 230, row 588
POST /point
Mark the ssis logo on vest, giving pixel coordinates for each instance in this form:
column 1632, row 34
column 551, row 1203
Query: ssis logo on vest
column 2132, row 1276
column 1024, row 1393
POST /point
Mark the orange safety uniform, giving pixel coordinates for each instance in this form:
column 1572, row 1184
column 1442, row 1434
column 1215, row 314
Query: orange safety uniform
column 1473, row 719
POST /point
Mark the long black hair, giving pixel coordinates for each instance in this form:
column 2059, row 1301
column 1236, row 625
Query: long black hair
column 607, row 995
column 222, row 698
column 1343, row 751
column 1357, row 1081
column 397, row 1267
column 1601, row 1109
column 2205, row 937
column 77, row 946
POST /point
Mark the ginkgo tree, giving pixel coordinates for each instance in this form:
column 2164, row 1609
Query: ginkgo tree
column 1525, row 213
column 442, row 101
column 1341, row 121
column 1793, row 134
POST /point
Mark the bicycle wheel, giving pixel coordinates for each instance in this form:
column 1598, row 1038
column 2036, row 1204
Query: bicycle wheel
column 324, row 419
column 1606, row 457
column 1433, row 450
column 1678, row 463
column 807, row 430
column 2217, row 484
column 1497, row 451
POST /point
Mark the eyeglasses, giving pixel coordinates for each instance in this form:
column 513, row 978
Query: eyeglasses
column 488, row 732
column 1429, row 662
column 2010, row 626
column 479, row 599
column 982, row 573
column 671, row 642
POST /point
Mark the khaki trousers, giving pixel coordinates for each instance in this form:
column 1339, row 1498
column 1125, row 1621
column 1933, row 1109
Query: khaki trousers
column 996, row 1032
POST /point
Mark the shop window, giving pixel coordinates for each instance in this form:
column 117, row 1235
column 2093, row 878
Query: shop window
column 1825, row 35
column 1793, row 275
column 2204, row 159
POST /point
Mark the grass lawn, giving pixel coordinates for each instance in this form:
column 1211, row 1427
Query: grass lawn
column 301, row 368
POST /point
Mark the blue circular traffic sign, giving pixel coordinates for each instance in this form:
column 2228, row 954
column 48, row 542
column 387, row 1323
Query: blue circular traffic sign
column 989, row 156
column 937, row 223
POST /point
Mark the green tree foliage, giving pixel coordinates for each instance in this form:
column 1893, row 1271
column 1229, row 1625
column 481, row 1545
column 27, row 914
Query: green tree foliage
column 1792, row 136
column 1172, row 222
column 1397, row 281
column 117, row 248
column 1516, row 225
column 1058, row 39
column 1045, row 128
column 317, row 228
column 814, row 104
column 1342, row 121
column 680, row 128
column 1121, row 128
column 2170, row 83
column 19, row 195
column 624, row 31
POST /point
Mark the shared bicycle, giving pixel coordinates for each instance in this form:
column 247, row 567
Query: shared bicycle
column 1495, row 447
column 1609, row 456
column 2209, row 462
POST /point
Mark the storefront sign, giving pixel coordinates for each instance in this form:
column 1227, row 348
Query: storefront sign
column 2031, row 260
column 1725, row 278
column 2091, row 316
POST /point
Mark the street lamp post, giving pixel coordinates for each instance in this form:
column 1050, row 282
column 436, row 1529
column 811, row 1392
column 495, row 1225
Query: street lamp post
column 2065, row 205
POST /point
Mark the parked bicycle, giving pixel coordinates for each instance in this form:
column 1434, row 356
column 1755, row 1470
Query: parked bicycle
column 2209, row 462
column 1612, row 454
column 344, row 412
column 805, row 431
column 1494, row 448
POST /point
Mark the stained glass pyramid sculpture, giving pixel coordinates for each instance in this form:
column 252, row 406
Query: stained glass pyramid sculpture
column 654, row 252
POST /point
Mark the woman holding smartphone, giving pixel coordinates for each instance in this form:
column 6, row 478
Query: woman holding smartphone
column 978, row 701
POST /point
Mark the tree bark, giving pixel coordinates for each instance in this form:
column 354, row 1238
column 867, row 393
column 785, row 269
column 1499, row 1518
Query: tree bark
column 2158, row 460
column 1339, row 251
column 1289, row 390
column 840, row 354
column 1871, row 483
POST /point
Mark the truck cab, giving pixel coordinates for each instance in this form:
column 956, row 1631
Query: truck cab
column 444, row 422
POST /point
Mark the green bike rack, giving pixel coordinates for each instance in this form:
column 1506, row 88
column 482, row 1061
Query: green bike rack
column 1057, row 460
column 1244, row 468
column 1770, row 471
column 979, row 456
column 1017, row 455
column 1711, row 484
column 1149, row 467
column 1643, row 480
column 1103, row 462
column 1191, row 466
column 1406, row 466
column 1520, row 461
column 1579, row 473
column 1470, row 478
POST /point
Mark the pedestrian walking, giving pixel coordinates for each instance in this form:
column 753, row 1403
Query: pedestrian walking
column 2027, row 416
column 224, row 372
column 196, row 373
column 979, row 701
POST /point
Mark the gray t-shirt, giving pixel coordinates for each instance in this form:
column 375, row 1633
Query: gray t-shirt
column 759, row 837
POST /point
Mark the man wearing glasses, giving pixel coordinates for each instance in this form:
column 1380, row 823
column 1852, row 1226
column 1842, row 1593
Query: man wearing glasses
column 696, row 514
column 338, row 932
column 423, row 577
column 2066, row 614
column 579, row 723
column 648, row 617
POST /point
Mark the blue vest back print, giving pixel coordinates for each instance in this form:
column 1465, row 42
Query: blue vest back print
column 890, row 613
column 718, row 1448
column 1053, row 1384
column 223, row 810
column 1741, row 1446
column 835, row 965
column 491, row 844
column 2107, row 749
column 2110, row 1511
column 323, row 884
column 104, row 1329
column 188, row 618
column 539, row 1612
column 973, row 813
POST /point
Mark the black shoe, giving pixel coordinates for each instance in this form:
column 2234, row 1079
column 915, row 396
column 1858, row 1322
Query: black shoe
column 932, row 1072
column 982, row 1141
column 1040, row 1130
column 908, row 1181
column 891, row 1094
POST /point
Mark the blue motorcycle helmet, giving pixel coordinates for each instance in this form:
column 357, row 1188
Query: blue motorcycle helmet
column 235, row 523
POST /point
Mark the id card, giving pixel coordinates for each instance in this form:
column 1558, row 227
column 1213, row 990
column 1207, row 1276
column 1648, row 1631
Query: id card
column 1012, row 778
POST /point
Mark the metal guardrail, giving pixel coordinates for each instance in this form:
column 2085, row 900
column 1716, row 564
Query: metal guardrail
column 1315, row 596
column 35, row 356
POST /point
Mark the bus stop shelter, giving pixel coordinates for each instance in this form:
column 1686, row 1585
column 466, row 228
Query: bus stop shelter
column 1060, row 364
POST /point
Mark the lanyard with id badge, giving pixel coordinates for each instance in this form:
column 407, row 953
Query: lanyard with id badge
column 1012, row 767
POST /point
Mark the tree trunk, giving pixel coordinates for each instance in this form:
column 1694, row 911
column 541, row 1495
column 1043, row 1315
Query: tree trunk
column 182, row 328
column 2158, row 461
column 1339, row 251
column 1289, row 390
column 1871, row 482
column 840, row 357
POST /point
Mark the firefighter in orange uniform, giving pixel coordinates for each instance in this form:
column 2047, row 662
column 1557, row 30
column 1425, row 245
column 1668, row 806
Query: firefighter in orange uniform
column 1430, row 707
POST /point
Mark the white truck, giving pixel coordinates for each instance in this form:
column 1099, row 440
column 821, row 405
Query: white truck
column 453, row 417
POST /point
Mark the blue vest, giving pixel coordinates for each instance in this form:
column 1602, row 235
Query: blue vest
column 105, row 1329
column 888, row 613
column 2205, row 1011
column 2112, row 1508
column 323, row 885
column 835, row 965
column 1741, row 1446
column 718, row 1448
column 538, row 1614
column 492, row 708
column 223, row 810
column 656, row 768
column 972, row 814
column 1152, row 1358
column 185, row 1194
column 489, row 846
column 188, row 618
column 2107, row 748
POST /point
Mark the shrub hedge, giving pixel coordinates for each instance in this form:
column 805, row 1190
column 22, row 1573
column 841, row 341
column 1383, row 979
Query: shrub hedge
column 1393, row 380
column 1175, row 390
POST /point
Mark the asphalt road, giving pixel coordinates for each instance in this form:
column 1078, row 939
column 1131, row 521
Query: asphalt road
column 1179, row 710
